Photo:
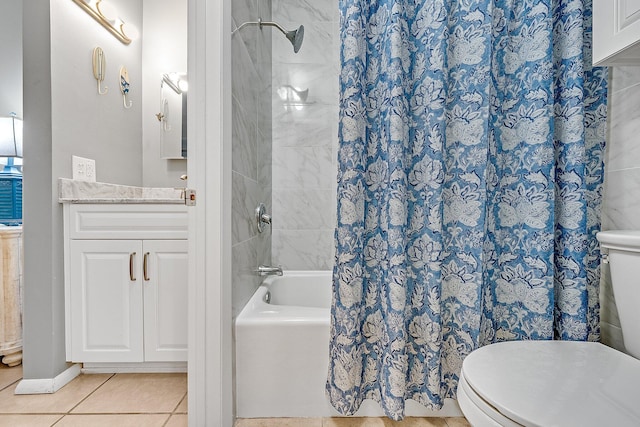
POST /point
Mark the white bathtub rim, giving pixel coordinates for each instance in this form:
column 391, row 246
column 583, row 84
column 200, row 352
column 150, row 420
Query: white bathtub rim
column 257, row 311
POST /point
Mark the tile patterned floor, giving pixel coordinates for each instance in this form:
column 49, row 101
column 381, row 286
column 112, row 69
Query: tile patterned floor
column 352, row 422
column 144, row 400
column 123, row 400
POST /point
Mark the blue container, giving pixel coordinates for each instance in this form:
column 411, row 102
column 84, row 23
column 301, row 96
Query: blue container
column 10, row 198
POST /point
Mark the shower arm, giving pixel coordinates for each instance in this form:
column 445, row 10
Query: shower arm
column 260, row 23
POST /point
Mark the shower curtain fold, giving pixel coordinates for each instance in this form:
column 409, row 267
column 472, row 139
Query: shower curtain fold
column 470, row 171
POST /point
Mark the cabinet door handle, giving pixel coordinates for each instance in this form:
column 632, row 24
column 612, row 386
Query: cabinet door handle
column 131, row 259
column 144, row 266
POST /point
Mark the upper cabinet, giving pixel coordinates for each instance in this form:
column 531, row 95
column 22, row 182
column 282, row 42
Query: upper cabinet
column 616, row 32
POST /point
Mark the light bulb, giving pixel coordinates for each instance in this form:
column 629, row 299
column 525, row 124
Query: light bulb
column 130, row 30
column 108, row 11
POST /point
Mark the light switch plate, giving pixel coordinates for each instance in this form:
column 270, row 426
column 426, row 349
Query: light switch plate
column 83, row 169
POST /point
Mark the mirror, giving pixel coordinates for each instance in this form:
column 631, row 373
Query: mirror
column 173, row 115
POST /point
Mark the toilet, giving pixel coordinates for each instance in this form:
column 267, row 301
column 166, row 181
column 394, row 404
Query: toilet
column 563, row 383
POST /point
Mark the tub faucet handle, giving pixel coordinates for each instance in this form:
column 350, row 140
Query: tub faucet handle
column 262, row 217
column 266, row 270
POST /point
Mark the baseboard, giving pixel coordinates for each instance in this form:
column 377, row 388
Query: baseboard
column 48, row 385
column 134, row 368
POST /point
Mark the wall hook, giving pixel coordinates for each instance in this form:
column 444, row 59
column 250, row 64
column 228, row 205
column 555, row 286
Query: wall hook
column 124, row 87
column 99, row 65
column 163, row 116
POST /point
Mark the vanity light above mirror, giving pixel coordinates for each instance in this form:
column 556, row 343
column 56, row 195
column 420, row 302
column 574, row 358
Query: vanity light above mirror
column 107, row 15
column 176, row 81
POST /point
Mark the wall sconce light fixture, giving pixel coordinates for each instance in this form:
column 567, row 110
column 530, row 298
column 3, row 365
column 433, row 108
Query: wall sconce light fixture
column 105, row 14
column 176, row 82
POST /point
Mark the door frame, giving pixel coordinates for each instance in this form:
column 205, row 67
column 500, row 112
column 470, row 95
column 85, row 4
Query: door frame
column 209, row 171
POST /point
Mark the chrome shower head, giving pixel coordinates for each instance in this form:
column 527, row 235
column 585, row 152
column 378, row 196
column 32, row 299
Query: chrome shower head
column 294, row 36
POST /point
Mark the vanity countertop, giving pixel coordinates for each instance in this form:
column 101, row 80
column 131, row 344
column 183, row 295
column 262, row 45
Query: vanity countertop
column 74, row 191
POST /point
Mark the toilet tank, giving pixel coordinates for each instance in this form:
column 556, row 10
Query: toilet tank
column 623, row 247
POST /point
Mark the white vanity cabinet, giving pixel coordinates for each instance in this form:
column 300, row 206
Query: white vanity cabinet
column 126, row 282
column 616, row 32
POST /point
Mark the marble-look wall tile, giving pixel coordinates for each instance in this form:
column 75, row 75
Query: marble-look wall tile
column 304, row 209
column 244, row 152
column 621, row 78
column 624, row 130
column 243, row 10
column 248, row 36
column 305, row 10
column 303, row 249
column 244, row 199
column 265, row 115
column 608, row 309
column 265, row 169
column 621, row 203
column 245, row 76
column 320, row 79
column 612, row 336
column 244, row 277
column 265, row 8
column 300, row 168
column 314, row 125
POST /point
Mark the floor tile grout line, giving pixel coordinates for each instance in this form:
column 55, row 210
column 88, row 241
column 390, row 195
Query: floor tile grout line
column 168, row 414
column 167, row 421
column 90, row 413
column 58, row 420
column 93, row 413
column 9, row 385
column 32, row 413
column 179, row 402
column 90, row 394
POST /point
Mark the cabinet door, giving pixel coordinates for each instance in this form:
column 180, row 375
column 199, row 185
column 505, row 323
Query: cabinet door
column 165, row 300
column 616, row 32
column 106, row 301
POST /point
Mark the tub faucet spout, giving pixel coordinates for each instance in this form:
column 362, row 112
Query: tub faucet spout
column 266, row 270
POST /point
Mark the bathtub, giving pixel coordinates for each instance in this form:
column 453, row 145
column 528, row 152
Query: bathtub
column 282, row 352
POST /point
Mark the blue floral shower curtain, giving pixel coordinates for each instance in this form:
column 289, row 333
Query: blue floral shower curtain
column 470, row 172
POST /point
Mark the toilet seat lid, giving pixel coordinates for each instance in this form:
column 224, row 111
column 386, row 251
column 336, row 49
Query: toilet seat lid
column 557, row 383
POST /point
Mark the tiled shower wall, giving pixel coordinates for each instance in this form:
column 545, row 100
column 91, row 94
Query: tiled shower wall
column 305, row 133
column 621, row 206
column 251, row 146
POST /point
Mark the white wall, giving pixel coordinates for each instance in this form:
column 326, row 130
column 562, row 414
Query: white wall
column 165, row 50
column 621, row 205
column 85, row 123
column 11, row 54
